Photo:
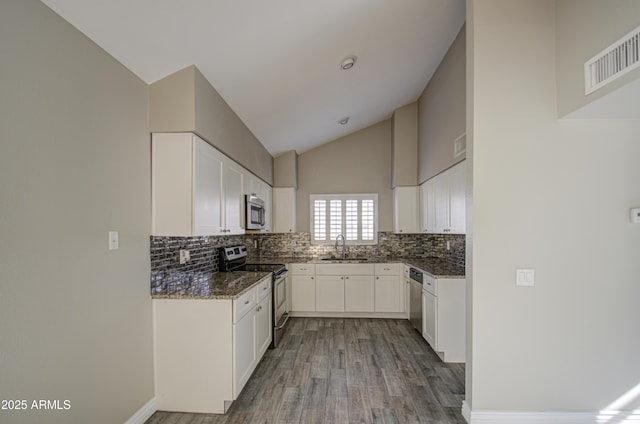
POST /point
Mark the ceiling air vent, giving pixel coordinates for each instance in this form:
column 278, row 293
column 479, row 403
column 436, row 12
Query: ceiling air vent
column 460, row 145
column 610, row 64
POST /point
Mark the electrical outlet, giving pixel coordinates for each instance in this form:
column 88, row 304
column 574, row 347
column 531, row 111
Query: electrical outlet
column 184, row 256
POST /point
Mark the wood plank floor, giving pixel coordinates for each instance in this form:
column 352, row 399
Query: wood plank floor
column 333, row 370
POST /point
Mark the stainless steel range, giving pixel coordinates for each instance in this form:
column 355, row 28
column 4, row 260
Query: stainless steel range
column 234, row 258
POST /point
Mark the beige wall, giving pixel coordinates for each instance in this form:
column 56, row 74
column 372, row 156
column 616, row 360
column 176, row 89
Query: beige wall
column 285, row 170
column 185, row 101
column 584, row 28
column 356, row 163
column 75, row 318
column 442, row 112
column 554, row 196
column 404, row 143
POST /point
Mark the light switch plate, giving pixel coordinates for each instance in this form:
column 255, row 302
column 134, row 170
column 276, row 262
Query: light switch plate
column 525, row 277
column 113, row 240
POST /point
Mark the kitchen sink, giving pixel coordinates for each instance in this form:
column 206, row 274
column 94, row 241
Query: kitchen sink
column 344, row 260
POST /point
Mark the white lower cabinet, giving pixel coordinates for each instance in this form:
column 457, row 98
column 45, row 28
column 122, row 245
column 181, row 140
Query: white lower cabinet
column 389, row 290
column 244, row 347
column 263, row 324
column 329, row 293
column 205, row 350
column 348, row 289
column 359, row 293
column 443, row 317
column 303, row 287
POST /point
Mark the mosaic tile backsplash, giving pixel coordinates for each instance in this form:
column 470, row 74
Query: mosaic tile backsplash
column 204, row 250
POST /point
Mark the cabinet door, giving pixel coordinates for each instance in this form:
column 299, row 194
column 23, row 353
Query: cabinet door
column 284, row 210
column 263, row 326
column 234, row 199
column 267, row 196
column 389, row 293
column 329, row 293
column 244, row 349
column 457, row 201
column 441, row 204
column 303, row 293
column 207, row 182
column 359, row 293
column 405, row 209
column 427, row 207
column 430, row 319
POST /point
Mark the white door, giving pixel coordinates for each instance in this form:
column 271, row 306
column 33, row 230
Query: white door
column 303, row 293
column 359, row 293
column 457, row 194
column 329, row 293
column 429, row 319
column 244, row 339
column 388, row 294
column 263, row 326
column 207, row 184
column 234, row 201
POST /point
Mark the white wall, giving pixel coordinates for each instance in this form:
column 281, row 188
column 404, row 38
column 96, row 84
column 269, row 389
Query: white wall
column 75, row 318
column 554, row 196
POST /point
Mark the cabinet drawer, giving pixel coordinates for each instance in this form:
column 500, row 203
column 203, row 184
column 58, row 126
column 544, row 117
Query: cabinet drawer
column 302, row 269
column 430, row 285
column 244, row 304
column 387, row 269
column 344, row 269
column 407, row 272
column 264, row 288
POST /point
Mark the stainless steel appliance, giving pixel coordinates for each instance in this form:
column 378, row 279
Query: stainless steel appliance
column 234, row 258
column 415, row 299
column 255, row 211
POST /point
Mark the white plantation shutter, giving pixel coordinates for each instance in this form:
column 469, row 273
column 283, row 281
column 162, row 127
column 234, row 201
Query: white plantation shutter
column 352, row 215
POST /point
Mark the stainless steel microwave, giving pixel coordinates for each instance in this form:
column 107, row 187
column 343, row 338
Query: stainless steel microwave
column 255, row 212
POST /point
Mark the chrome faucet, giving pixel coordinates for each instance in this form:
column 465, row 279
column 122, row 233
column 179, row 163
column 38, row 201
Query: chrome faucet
column 344, row 245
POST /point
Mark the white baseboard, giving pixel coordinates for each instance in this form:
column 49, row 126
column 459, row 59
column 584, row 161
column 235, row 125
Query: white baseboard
column 531, row 417
column 466, row 411
column 144, row 413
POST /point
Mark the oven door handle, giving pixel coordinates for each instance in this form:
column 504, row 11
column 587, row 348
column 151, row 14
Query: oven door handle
column 285, row 316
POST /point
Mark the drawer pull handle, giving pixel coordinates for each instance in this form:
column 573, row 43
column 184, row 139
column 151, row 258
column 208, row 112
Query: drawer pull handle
column 247, row 302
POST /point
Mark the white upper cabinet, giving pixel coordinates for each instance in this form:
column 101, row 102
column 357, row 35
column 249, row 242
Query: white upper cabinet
column 207, row 205
column 284, row 210
column 442, row 202
column 196, row 190
column 405, row 209
column 233, row 197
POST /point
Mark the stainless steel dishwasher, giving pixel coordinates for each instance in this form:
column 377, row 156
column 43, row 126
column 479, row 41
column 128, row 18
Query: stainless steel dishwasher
column 415, row 299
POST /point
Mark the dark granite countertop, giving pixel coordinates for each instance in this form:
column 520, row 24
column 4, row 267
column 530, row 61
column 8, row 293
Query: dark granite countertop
column 436, row 267
column 194, row 285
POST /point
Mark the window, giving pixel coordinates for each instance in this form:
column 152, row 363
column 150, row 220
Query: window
column 353, row 215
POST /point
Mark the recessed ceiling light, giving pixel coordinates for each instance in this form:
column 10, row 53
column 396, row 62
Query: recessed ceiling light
column 344, row 121
column 348, row 62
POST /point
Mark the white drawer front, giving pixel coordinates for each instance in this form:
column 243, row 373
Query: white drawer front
column 244, row 304
column 302, row 269
column 430, row 284
column 344, row 269
column 387, row 269
column 264, row 288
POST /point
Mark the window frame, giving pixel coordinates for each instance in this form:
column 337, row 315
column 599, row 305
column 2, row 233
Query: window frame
column 343, row 198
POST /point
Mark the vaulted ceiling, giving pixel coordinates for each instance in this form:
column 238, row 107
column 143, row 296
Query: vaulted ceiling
column 277, row 63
